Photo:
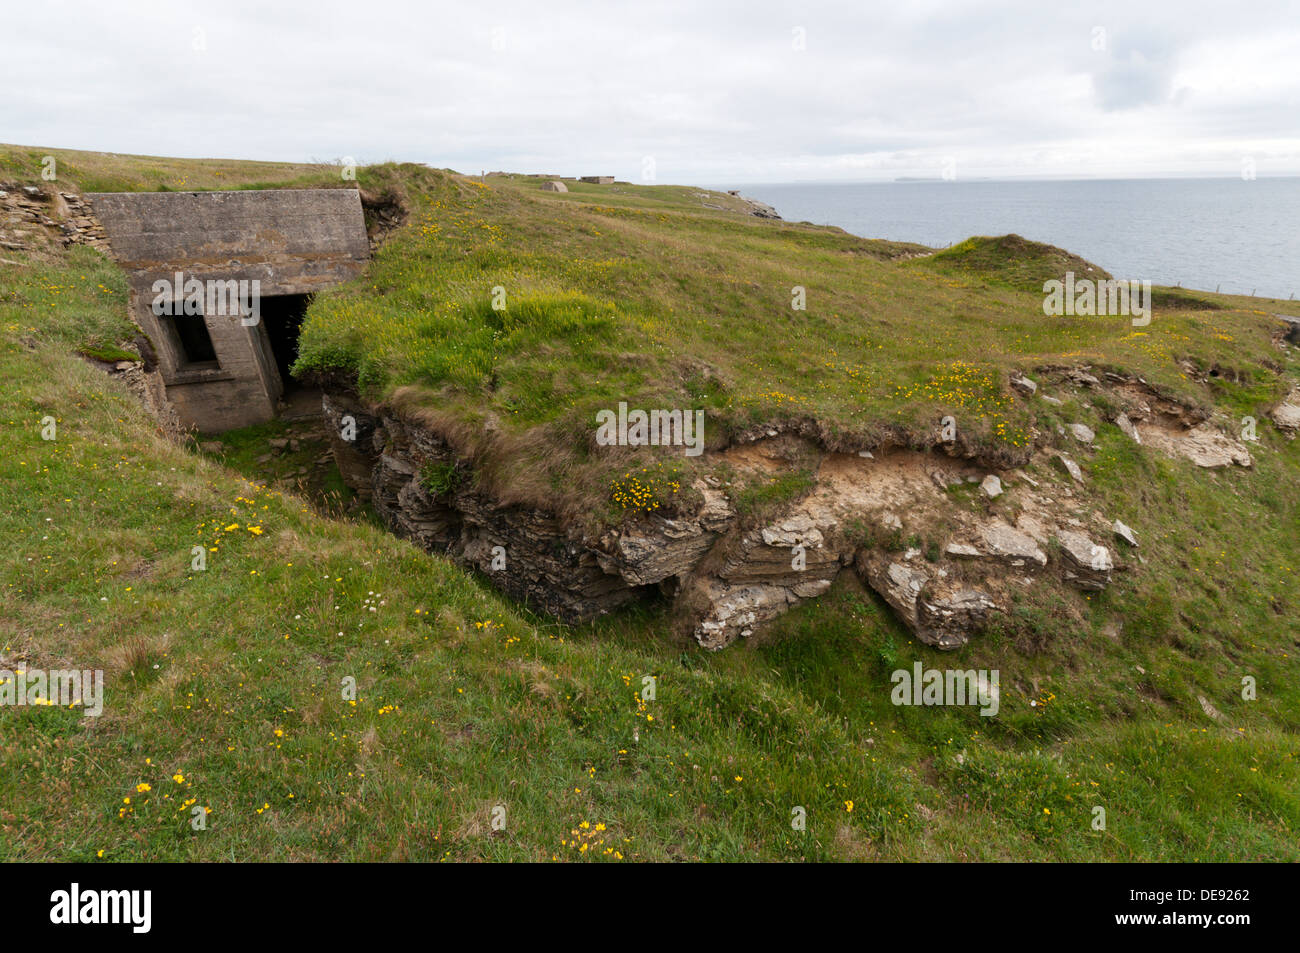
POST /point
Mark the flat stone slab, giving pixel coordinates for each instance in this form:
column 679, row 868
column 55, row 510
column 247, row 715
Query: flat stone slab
column 1005, row 542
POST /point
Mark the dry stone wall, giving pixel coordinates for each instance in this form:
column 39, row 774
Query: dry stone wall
column 34, row 217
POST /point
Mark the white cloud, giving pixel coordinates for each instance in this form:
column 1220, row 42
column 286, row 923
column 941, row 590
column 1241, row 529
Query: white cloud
column 715, row 92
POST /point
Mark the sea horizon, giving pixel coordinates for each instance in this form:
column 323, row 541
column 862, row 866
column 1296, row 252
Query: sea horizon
column 1234, row 235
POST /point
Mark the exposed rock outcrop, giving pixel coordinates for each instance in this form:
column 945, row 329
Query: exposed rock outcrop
column 754, row 577
column 1204, row 445
column 1087, row 564
column 1287, row 414
column 351, row 429
column 939, row 609
column 526, row 552
column 1292, row 324
column 904, row 521
column 756, row 208
column 873, row 514
column 1155, row 420
column 384, row 213
column 1023, row 384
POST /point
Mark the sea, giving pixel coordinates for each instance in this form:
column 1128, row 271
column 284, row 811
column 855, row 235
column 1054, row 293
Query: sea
column 1235, row 235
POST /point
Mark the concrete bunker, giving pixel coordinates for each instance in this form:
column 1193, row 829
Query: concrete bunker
column 220, row 282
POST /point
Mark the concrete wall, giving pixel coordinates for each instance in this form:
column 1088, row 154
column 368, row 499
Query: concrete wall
column 293, row 241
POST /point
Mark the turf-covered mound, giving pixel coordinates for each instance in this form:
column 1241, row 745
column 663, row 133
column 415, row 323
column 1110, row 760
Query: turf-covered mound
column 1012, row 261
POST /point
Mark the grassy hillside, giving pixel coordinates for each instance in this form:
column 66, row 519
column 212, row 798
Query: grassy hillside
column 224, row 686
column 637, row 293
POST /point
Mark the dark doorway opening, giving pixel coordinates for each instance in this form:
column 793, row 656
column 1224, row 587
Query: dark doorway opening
column 282, row 315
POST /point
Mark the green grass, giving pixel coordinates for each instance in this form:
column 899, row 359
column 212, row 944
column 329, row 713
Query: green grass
column 115, row 172
column 109, row 354
column 231, row 678
column 535, row 310
column 766, row 497
column 440, row 478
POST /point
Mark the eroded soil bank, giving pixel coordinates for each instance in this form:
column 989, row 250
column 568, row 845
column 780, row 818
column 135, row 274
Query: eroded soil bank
column 945, row 538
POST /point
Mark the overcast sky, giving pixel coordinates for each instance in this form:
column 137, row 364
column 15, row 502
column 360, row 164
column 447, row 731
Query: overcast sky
column 712, row 93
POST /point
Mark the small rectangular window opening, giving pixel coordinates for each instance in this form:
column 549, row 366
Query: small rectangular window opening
column 191, row 334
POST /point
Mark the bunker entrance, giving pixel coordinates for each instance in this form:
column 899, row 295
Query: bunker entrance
column 282, row 315
column 291, row 242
